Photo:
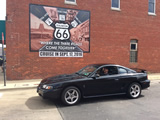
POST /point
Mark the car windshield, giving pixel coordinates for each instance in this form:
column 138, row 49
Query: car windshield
column 86, row 71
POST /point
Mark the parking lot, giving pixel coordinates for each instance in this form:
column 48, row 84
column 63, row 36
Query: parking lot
column 25, row 104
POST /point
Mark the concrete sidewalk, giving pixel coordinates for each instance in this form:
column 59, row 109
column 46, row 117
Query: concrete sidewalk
column 19, row 84
column 24, row 84
column 154, row 76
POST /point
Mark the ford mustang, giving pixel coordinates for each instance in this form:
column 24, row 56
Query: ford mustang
column 94, row 81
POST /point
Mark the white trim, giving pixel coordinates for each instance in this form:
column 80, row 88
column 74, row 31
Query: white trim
column 136, row 47
column 154, row 13
column 115, row 8
column 71, row 3
column 149, row 13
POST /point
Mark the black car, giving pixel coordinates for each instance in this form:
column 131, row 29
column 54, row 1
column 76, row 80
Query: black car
column 94, row 81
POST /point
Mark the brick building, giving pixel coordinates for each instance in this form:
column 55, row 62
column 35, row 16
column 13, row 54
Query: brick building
column 117, row 31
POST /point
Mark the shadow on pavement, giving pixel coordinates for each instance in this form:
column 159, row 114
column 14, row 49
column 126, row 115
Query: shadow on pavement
column 106, row 99
column 38, row 103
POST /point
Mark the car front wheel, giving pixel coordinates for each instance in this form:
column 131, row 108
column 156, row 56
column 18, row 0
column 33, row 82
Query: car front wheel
column 134, row 90
column 71, row 96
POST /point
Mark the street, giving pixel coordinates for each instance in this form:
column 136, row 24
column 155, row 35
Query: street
column 147, row 107
column 25, row 104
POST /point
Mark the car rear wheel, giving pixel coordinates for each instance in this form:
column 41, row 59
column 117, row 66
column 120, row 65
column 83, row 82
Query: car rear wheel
column 134, row 90
column 71, row 96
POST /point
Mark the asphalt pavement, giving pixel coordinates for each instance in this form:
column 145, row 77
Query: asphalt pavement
column 88, row 109
column 146, row 107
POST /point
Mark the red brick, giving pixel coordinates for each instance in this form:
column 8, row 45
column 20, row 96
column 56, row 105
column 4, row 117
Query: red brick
column 110, row 35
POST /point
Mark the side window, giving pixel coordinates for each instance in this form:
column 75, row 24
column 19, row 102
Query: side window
column 122, row 71
column 113, row 70
column 103, row 71
column 108, row 70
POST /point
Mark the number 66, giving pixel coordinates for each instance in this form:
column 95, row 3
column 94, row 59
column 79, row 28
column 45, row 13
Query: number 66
column 61, row 34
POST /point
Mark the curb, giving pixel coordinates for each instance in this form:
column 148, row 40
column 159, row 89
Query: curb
column 17, row 88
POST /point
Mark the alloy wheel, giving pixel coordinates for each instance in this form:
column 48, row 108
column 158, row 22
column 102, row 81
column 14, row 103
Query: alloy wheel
column 135, row 90
column 71, row 95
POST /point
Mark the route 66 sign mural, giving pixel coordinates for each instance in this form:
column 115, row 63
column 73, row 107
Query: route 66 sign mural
column 59, row 32
column 62, row 32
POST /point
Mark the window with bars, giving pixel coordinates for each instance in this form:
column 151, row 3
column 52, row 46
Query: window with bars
column 151, row 6
column 133, row 51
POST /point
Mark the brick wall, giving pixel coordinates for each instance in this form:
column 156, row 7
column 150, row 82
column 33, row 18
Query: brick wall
column 110, row 35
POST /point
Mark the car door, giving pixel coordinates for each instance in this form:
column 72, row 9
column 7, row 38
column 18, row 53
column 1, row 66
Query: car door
column 101, row 85
column 124, row 78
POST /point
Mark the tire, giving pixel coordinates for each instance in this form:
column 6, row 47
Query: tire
column 134, row 90
column 71, row 96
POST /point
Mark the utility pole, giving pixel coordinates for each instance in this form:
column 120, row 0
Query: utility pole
column 3, row 65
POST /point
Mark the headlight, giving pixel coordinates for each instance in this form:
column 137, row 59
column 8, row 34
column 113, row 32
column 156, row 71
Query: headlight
column 47, row 87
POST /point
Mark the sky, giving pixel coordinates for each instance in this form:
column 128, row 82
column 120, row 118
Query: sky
column 2, row 9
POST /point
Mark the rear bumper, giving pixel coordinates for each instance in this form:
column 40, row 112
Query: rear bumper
column 145, row 84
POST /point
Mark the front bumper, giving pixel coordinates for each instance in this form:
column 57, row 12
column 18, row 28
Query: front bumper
column 53, row 93
column 145, row 84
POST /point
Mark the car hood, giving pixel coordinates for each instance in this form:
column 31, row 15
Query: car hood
column 61, row 78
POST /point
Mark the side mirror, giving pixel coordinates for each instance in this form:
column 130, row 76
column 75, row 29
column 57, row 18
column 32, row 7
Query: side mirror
column 95, row 76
